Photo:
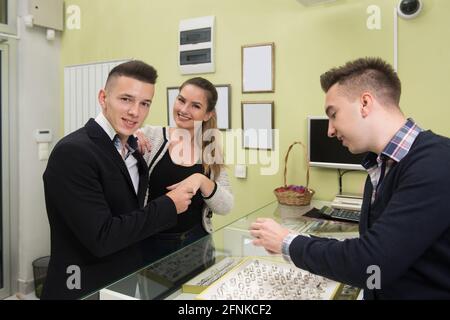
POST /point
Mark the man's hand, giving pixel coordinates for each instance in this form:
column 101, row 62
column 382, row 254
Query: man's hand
column 144, row 144
column 181, row 197
column 268, row 234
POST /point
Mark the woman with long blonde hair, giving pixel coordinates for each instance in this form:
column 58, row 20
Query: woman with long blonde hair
column 187, row 155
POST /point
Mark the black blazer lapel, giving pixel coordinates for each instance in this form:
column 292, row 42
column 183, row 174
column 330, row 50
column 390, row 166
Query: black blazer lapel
column 101, row 138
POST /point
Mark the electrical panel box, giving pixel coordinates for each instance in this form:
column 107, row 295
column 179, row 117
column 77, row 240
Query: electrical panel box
column 47, row 13
column 196, row 45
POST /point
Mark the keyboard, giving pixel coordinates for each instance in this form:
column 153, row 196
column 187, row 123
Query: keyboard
column 341, row 214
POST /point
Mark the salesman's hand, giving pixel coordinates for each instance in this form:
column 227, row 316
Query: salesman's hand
column 144, row 144
column 181, row 197
column 268, row 234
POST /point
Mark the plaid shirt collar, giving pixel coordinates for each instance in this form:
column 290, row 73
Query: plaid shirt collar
column 131, row 145
column 378, row 166
column 397, row 148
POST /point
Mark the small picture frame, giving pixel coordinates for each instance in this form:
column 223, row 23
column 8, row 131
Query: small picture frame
column 172, row 94
column 223, row 106
column 258, row 68
column 257, row 125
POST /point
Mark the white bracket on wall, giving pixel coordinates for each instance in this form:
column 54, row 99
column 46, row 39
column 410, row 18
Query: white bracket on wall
column 28, row 21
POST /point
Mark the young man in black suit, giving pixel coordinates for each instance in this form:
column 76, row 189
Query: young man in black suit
column 95, row 186
column 403, row 251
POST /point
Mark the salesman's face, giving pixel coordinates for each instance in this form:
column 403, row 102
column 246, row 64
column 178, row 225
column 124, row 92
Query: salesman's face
column 346, row 121
column 125, row 103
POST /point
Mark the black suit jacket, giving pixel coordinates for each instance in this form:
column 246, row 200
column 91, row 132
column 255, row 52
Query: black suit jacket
column 96, row 219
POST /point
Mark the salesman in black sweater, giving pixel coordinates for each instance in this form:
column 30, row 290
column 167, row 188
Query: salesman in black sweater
column 403, row 251
column 95, row 186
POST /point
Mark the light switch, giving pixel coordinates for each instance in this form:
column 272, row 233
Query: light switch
column 240, row 171
column 43, row 138
column 43, row 151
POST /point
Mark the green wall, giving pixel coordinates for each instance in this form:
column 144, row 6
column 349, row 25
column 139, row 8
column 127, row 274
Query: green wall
column 308, row 40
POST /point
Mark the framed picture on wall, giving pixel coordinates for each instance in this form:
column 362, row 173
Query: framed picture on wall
column 223, row 106
column 172, row 94
column 257, row 125
column 258, row 68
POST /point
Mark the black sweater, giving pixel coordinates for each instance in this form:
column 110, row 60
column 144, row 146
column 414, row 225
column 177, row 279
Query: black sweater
column 405, row 232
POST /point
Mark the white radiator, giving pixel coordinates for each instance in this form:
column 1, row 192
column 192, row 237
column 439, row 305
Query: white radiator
column 81, row 86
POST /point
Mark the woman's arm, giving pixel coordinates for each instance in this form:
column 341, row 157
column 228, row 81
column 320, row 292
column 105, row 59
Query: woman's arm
column 197, row 181
column 222, row 199
column 216, row 194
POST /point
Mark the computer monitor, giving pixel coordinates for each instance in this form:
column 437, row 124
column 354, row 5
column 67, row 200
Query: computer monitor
column 329, row 152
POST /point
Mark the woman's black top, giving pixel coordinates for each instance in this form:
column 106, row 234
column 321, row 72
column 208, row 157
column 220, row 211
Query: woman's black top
column 167, row 173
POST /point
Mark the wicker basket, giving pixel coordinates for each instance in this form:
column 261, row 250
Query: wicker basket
column 291, row 197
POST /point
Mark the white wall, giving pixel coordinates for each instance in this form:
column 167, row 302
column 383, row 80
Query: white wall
column 38, row 90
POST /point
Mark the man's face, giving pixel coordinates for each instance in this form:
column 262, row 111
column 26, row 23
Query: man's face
column 126, row 103
column 346, row 121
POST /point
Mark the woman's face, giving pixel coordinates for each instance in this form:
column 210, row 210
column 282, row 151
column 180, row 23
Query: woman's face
column 191, row 105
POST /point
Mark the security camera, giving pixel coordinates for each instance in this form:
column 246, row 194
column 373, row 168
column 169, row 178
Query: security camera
column 409, row 9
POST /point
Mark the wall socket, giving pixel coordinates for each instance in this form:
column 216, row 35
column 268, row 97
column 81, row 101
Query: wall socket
column 240, row 171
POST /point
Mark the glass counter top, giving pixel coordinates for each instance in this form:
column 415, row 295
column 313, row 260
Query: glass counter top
column 185, row 273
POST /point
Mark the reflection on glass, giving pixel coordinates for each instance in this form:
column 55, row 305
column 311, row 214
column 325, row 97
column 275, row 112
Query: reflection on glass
column 159, row 280
column 4, row 11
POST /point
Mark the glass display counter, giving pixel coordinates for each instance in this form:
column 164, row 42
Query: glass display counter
column 226, row 265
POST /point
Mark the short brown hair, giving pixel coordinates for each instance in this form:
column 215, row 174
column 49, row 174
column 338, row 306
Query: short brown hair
column 135, row 69
column 365, row 74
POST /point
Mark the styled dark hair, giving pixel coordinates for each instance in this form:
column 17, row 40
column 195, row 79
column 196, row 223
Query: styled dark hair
column 368, row 73
column 135, row 69
column 211, row 97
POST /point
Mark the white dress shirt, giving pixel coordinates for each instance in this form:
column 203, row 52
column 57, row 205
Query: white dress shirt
column 130, row 162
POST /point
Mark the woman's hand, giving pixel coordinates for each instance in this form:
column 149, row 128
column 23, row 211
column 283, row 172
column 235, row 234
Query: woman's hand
column 144, row 144
column 196, row 181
